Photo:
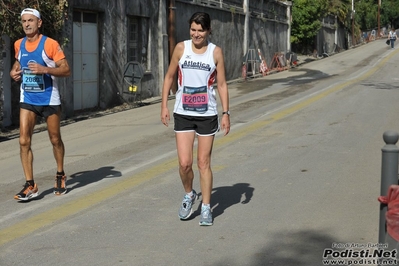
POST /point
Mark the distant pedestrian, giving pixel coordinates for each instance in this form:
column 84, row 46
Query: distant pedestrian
column 365, row 37
column 39, row 59
column 199, row 63
column 392, row 37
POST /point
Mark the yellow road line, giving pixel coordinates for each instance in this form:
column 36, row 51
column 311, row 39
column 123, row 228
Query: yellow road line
column 301, row 105
column 57, row 214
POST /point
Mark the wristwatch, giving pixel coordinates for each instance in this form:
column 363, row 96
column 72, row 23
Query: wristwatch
column 226, row 113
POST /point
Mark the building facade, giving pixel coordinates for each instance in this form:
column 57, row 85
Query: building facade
column 120, row 48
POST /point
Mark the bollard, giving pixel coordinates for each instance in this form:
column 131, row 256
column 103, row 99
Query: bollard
column 389, row 175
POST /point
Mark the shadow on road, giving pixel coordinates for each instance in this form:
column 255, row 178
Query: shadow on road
column 290, row 248
column 224, row 197
column 81, row 179
column 381, row 86
column 84, row 178
column 299, row 77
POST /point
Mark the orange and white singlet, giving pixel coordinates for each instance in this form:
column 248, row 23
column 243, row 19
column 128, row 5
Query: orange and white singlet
column 38, row 89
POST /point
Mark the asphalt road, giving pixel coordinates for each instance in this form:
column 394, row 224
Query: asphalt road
column 299, row 173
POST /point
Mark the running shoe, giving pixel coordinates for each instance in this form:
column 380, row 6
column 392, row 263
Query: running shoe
column 186, row 208
column 27, row 193
column 206, row 216
column 60, row 185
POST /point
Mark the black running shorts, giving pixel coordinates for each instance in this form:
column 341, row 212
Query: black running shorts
column 202, row 125
column 43, row 111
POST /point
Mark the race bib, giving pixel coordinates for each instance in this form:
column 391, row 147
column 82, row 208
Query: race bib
column 195, row 99
column 32, row 82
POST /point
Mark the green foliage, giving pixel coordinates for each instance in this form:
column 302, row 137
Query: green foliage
column 390, row 13
column 306, row 19
column 53, row 13
column 367, row 13
column 342, row 9
column 308, row 14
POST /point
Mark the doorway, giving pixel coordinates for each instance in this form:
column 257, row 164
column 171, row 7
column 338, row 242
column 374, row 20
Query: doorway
column 85, row 60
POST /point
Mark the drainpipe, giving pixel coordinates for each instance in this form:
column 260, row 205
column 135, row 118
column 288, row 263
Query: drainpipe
column 172, row 35
column 246, row 26
column 162, row 44
column 289, row 28
column 336, row 31
column 172, row 27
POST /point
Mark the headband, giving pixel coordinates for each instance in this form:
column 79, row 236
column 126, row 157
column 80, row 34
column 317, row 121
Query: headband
column 31, row 11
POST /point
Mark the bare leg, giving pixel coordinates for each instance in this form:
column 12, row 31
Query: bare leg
column 54, row 131
column 184, row 143
column 205, row 144
column 26, row 125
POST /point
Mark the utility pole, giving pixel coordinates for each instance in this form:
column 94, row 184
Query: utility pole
column 378, row 17
column 353, row 23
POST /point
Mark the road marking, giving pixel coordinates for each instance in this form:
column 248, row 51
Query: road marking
column 288, row 109
column 55, row 215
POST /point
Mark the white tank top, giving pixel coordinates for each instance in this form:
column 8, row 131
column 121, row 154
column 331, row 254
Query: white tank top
column 195, row 95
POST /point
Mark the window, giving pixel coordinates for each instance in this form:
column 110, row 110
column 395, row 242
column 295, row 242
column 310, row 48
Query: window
column 79, row 16
column 138, row 40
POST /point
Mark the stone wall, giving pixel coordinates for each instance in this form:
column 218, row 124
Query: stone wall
column 331, row 37
column 5, row 82
column 268, row 35
column 1, row 82
column 267, row 32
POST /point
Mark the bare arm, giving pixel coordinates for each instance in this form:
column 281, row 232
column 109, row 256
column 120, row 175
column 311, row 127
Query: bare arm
column 61, row 70
column 222, row 88
column 170, row 75
column 16, row 71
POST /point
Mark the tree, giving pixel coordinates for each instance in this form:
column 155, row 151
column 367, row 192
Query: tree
column 306, row 20
column 53, row 13
column 390, row 12
column 340, row 8
column 366, row 13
